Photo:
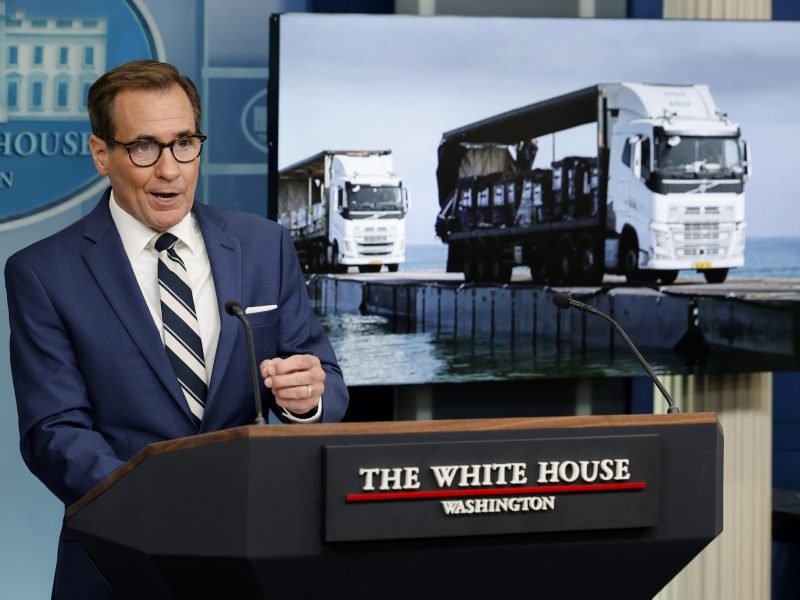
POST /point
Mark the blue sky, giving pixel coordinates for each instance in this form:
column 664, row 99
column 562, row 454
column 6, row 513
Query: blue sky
column 400, row 82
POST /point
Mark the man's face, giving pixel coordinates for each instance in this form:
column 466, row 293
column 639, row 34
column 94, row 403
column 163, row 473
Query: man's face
column 160, row 195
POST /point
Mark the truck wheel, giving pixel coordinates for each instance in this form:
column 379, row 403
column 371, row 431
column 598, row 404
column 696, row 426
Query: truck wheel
column 393, row 267
column 336, row 267
column 497, row 270
column 476, row 267
column 563, row 265
column 629, row 256
column 312, row 265
column 484, row 261
column 469, row 266
column 304, row 266
column 668, row 277
column 538, row 272
column 455, row 258
column 322, row 260
column 590, row 269
column 715, row 275
column 505, row 272
column 535, row 259
column 483, row 270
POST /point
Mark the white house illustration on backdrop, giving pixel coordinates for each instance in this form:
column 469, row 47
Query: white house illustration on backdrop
column 48, row 63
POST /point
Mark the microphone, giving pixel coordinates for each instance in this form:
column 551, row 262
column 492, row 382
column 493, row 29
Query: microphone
column 233, row 308
column 566, row 301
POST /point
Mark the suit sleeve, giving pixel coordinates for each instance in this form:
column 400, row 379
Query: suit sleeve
column 57, row 439
column 301, row 333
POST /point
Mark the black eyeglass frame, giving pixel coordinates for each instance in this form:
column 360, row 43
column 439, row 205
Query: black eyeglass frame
column 161, row 146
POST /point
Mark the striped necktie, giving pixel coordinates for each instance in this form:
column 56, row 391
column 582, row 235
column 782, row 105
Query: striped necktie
column 181, row 329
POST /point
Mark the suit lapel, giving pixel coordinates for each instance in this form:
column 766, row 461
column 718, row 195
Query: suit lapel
column 111, row 269
column 224, row 254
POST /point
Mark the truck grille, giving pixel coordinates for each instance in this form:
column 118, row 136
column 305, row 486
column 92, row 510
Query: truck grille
column 698, row 240
column 698, row 251
column 375, row 249
column 705, row 214
column 375, row 240
column 701, row 232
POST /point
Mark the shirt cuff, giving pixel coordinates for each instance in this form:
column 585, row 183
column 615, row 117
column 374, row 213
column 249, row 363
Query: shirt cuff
column 316, row 417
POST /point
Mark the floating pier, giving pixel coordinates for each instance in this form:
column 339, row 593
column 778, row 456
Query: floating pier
column 745, row 315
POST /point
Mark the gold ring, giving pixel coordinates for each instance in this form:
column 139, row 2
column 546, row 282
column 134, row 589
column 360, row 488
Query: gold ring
column 309, row 391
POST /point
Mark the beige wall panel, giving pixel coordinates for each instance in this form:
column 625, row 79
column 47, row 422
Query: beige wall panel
column 718, row 9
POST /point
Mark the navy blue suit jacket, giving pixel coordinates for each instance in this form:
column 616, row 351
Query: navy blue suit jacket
column 92, row 379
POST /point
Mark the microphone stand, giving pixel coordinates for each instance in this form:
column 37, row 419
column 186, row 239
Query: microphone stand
column 565, row 301
column 233, row 308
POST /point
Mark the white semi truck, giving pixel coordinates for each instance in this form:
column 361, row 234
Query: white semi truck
column 664, row 193
column 345, row 208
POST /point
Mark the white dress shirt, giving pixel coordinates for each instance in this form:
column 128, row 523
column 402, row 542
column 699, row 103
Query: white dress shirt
column 139, row 240
column 139, row 243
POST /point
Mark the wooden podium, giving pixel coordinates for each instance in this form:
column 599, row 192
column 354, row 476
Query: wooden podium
column 569, row 507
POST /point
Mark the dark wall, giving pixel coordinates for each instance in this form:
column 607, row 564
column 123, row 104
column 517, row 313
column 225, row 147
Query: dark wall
column 785, row 10
column 785, row 429
column 645, row 9
column 377, row 7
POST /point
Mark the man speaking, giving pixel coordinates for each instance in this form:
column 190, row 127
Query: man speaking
column 119, row 336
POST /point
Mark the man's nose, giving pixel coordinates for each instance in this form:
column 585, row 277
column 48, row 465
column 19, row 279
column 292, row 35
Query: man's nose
column 166, row 166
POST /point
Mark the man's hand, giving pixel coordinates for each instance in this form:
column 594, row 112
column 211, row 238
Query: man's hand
column 297, row 382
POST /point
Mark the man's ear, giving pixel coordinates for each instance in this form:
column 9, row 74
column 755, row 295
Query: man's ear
column 99, row 154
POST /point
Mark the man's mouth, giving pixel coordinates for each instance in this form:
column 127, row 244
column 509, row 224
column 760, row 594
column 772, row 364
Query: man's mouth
column 164, row 195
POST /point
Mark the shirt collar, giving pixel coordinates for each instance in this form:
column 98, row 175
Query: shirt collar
column 136, row 236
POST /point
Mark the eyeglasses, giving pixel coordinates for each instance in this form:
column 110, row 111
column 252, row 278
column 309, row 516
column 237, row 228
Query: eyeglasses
column 145, row 153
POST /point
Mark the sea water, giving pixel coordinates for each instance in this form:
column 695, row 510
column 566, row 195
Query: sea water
column 371, row 350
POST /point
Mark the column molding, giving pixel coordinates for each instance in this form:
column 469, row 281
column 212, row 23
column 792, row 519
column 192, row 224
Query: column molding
column 735, row 566
column 718, row 9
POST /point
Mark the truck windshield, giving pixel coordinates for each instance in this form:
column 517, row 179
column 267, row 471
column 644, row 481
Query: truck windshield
column 686, row 157
column 362, row 198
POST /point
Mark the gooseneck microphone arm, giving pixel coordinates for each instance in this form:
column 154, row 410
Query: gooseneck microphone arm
column 566, row 301
column 233, row 308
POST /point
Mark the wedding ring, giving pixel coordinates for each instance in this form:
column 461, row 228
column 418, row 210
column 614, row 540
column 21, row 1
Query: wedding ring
column 309, row 391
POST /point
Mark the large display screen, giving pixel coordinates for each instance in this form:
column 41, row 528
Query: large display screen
column 397, row 83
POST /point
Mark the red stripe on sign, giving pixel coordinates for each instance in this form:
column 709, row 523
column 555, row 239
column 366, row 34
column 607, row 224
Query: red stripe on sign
column 506, row 491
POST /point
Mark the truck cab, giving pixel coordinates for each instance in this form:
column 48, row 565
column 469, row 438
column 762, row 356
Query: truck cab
column 368, row 204
column 677, row 168
column 344, row 208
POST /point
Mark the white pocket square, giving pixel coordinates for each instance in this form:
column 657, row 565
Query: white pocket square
column 257, row 309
